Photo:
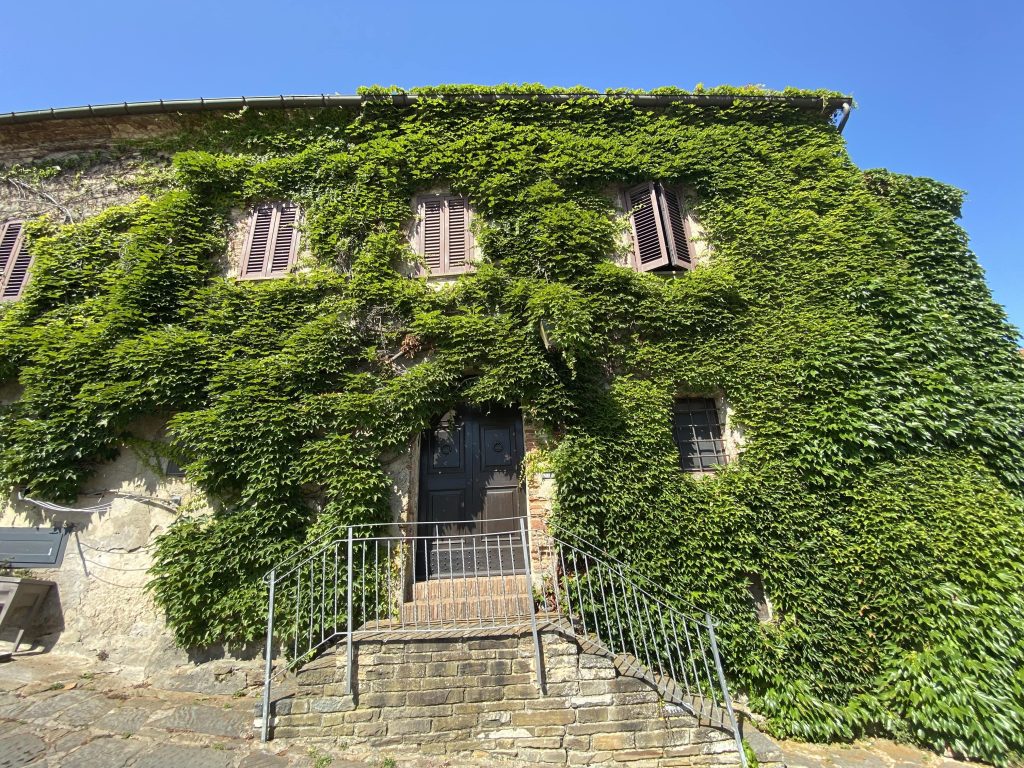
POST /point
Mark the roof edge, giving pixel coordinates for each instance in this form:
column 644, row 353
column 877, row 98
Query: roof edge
column 825, row 105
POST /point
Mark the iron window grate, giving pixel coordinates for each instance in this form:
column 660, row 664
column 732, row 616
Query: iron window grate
column 698, row 434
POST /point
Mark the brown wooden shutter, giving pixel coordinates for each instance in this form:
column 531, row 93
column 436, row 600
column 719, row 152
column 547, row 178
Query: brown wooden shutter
column 258, row 241
column 648, row 236
column 286, row 239
column 272, row 244
column 677, row 229
column 431, row 234
column 15, row 259
column 458, row 235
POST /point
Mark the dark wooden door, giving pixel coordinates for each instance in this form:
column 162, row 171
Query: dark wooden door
column 471, row 496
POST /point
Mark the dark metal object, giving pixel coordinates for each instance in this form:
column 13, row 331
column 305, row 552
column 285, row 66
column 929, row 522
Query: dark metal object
column 824, row 106
column 40, row 547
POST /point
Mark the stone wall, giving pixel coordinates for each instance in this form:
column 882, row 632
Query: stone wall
column 100, row 608
column 480, row 696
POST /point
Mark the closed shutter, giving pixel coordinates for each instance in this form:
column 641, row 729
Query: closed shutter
column 648, row 235
column 272, row 244
column 15, row 259
column 432, row 247
column 286, row 239
column 677, row 228
column 458, row 235
column 444, row 239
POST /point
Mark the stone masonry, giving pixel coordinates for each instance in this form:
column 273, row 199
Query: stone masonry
column 480, row 697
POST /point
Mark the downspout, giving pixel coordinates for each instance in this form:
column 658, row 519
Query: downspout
column 846, row 116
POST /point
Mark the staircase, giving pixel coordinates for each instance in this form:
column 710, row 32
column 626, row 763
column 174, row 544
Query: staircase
column 363, row 589
column 477, row 599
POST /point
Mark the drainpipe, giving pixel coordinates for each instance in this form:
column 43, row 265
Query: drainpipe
column 846, row 116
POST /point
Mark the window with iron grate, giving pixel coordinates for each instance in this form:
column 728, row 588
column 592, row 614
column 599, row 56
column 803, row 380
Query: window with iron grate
column 15, row 260
column 698, row 434
column 662, row 237
column 272, row 244
column 443, row 238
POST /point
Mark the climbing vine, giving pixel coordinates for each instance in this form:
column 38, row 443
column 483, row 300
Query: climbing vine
column 878, row 387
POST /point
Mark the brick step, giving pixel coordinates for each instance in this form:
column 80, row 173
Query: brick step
column 490, row 609
column 468, row 588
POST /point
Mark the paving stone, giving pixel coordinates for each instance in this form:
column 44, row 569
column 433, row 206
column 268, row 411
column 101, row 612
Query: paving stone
column 20, row 749
column 126, row 719
column 176, row 756
column 84, row 710
column 103, row 753
column 200, row 719
column 264, row 760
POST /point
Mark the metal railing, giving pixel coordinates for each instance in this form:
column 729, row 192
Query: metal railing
column 639, row 622
column 449, row 579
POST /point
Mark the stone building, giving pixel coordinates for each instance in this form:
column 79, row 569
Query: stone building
column 472, row 488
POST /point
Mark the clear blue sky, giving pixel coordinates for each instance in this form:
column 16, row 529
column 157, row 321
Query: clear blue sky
column 937, row 83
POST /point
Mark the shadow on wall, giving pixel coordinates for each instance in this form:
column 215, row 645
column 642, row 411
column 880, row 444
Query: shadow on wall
column 38, row 627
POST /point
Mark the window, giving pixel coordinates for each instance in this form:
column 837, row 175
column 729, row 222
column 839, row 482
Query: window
column 698, row 434
column 272, row 245
column 443, row 237
column 661, row 232
column 15, row 260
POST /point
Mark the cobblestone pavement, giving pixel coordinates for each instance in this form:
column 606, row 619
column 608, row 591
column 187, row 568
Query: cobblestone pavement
column 55, row 712
column 872, row 753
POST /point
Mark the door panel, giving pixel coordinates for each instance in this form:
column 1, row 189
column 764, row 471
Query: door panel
column 470, row 484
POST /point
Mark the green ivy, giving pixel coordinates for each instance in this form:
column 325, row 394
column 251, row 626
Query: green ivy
column 879, row 389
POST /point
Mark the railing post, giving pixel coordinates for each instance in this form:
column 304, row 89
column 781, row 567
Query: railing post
column 725, row 689
column 268, row 663
column 537, row 658
column 348, row 639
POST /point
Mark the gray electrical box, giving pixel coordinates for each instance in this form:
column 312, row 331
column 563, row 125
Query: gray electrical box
column 40, row 547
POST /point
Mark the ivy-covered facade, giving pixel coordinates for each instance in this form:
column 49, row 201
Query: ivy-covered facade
column 816, row 339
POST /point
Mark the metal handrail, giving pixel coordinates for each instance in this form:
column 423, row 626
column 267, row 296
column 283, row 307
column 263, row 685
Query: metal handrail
column 633, row 571
column 422, row 583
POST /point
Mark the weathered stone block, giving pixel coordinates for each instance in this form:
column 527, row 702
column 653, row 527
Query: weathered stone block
column 387, row 700
column 598, row 673
column 441, row 669
column 634, row 712
column 428, row 698
column 612, row 741
column 592, row 715
column 576, row 743
column 364, row 715
column 441, row 710
column 336, row 721
column 490, row 693
column 544, row 717
column 687, row 750
column 332, row 704
column 297, row 721
column 405, row 726
column 583, row 729
column 543, row 755
column 541, row 742
column 521, row 691
column 366, row 730
column 455, row 722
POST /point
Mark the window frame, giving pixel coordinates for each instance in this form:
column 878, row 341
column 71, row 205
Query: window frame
column 275, row 228
column 17, row 248
column 668, row 239
column 419, row 203
column 712, row 405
